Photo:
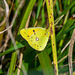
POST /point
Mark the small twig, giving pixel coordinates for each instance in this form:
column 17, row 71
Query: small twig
column 58, row 19
column 44, row 3
column 20, row 63
column 62, row 58
column 5, row 44
column 66, row 73
column 70, row 52
column 65, row 47
column 59, row 26
column 35, row 23
column 66, row 65
column 5, row 30
column 27, row 23
column 20, row 69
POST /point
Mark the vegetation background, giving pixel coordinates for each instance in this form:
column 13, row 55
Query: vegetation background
column 17, row 57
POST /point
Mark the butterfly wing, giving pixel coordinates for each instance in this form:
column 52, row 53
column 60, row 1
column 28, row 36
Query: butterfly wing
column 39, row 39
column 26, row 33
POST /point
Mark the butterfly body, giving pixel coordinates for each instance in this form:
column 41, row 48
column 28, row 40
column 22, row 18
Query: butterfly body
column 37, row 37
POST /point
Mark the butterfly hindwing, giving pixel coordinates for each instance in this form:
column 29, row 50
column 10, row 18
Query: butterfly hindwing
column 39, row 40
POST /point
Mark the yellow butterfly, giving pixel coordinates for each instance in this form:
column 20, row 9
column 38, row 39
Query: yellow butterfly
column 37, row 37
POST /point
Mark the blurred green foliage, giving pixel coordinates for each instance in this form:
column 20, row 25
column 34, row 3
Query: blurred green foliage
column 30, row 62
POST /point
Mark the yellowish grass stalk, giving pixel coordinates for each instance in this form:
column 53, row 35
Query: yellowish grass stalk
column 49, row 4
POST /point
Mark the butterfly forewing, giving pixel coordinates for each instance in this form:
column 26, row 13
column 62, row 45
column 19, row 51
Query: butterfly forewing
column 26, row 33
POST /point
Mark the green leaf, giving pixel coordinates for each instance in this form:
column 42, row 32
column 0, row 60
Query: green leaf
column 68, row 24
column 26, row 14
column 45, row 62
column 40, row 2
column 19, row 45
column 68, row 8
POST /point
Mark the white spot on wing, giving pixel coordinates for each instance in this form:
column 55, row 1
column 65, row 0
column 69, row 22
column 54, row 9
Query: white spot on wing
column 37, row 38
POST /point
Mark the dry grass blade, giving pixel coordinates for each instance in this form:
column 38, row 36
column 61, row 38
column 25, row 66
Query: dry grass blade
column 28, row 20
column 70, row 52
column 65, row 47
column 63, row 58
column 1, row 9
column 13, row 20
column 20, row 63
column 66, row 73
column 58, row 19
column 7, row 25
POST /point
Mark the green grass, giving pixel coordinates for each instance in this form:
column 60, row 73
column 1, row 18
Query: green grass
column 35, row 62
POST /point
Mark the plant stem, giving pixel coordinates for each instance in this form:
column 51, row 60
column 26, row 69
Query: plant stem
column 49, row 4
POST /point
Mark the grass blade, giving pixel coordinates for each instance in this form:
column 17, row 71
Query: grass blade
column 49, row 4
column 45, row 63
